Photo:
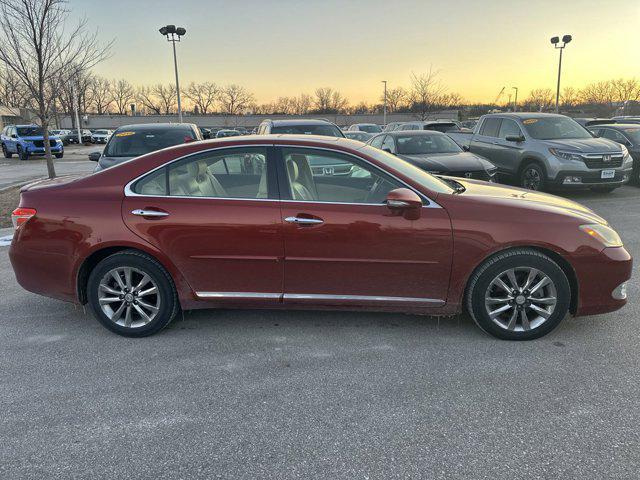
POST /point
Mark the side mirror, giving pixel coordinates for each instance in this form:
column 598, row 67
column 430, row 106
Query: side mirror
column 405, row 202
column 514, row 138
column 95, row 156
column 466, row 148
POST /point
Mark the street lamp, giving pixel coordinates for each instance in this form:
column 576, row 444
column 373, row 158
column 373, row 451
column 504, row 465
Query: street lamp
column 384, row 108
column 556, row 43
column 515, row 101
column 173, row 35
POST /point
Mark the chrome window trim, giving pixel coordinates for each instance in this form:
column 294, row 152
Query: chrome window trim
column 128, row 192
column 316, row 296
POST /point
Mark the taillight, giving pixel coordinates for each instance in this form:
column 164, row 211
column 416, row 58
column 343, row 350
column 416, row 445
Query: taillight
column 21, row 215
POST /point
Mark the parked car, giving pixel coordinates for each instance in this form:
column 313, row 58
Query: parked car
column 544, row 151
column 227, row 133
column 26, row 141
column 101, row 136
column 300, row 127
column 437, row 125
column 390, row 127
column 206, row 133
column 436, row 153
column 157, row 235
column 470, row 124
column 365, row 127
column 587, row 122
column 87, row 136
column 358, row 135
column 132, row 141
column 627, row 134
column 242, row 130
column 627, row 119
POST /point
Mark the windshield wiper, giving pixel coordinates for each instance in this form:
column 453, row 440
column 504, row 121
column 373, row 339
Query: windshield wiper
column 457, row 186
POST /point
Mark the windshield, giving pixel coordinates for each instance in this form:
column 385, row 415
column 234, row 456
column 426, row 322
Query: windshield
column 133, row 143
column 554, row 128
column 421, row 144
column 423, row 178
column 633, row 134
column 326, row 130
column 370, row 128
column 30, row 131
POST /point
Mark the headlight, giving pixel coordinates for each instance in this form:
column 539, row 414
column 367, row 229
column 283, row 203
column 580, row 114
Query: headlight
column 605, row 235
column 58, row 141
column 565, row 155
column 625, row 151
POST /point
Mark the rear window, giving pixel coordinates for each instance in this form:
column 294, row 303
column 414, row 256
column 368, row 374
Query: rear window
column 133, row 143
column 441, row 127
column 324, row 130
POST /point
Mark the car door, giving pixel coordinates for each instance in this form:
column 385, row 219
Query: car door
column 344, row 246
column 484, row 143
column 11, row 141
column 217, row 216
column 506, row 154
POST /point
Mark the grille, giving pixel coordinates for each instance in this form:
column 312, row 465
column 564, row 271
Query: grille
column 40, row 143
column 597, row 161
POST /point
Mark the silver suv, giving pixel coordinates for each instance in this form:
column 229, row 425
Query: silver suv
column 549, row 151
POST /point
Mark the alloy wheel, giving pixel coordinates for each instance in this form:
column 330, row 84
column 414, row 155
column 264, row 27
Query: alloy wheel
column 129, row 297
column 520, row 299
column 531, row 179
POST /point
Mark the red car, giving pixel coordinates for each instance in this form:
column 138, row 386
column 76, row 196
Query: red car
column 248, row 222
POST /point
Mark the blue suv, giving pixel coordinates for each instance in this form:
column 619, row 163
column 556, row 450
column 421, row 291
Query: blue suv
column 27, row 140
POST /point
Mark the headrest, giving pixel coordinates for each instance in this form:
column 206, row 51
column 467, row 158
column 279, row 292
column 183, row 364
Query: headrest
column 292, row 167
column 197, row 169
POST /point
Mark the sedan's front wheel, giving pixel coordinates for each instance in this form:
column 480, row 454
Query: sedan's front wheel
column 131, row 294
column 519, row 295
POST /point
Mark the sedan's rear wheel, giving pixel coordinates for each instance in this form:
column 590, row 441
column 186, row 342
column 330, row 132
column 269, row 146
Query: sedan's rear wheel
column 519, row 295
column 132, row 294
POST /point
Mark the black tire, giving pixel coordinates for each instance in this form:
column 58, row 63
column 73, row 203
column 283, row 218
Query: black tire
column 22, row 155
column 166, row 291
column 6, row 152
column 480, row 284
column 635, row 174
column 532, row 177
column 603, row 189
column 59, row 155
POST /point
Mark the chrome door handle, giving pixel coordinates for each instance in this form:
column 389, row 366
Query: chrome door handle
column 304, row 221
column 149, row 213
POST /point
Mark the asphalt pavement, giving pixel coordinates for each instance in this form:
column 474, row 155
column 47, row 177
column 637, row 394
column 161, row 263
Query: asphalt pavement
column 14, row 171
column 264, row 394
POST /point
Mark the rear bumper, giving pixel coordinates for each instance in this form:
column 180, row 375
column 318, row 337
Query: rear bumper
column 598, row 278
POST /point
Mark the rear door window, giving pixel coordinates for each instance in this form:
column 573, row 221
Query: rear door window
column 490, row 127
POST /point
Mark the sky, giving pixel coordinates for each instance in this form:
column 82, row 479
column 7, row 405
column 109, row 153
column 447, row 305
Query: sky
column 284, row 47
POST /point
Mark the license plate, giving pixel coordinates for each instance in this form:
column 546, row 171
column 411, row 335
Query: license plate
column 608, row 174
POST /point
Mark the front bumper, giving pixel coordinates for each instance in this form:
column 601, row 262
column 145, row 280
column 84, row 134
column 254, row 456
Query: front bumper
column 591, row 178
column 599, row 279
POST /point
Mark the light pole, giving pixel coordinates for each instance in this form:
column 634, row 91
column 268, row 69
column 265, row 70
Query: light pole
column 173, row 35
column 556, row 43
column 384, row 108
column 515, row 100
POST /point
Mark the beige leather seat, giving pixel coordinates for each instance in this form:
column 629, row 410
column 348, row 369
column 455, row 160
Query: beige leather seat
column 298, row 190
column 197, row 181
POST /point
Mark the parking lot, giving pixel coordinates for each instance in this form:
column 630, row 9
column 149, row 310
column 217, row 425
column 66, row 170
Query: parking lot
column 261, row 394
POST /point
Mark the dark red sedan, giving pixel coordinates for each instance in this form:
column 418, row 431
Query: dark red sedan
column 311, row 222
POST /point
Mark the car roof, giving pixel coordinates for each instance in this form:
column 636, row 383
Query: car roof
column 616, row 126
column 149, row 126
column 301, row 121
column 413, row 133
column 524, row 115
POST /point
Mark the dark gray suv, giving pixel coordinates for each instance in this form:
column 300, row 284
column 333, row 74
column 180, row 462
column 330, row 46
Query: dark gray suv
column 544, row 151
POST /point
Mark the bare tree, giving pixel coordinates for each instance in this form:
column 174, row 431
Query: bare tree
column 569, row 97
column 302, row 104
column 328, row 100
column 146, row 97
column 626, row 90
column 123, row 95
column 396, row 99
column 426, row 93
column 234, row 99
column 101, row 97
column 540, row 99
column 38, row 50
column 12, row 90
column 166, row 96
column 202, row 95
